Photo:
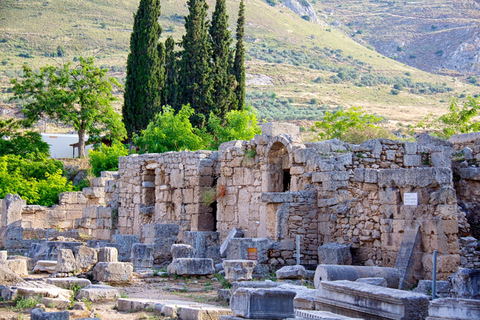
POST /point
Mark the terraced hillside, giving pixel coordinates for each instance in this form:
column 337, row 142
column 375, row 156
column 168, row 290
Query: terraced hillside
column 296, row 69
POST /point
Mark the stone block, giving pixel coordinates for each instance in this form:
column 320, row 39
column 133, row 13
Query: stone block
column 68, row 282
column 239, row 270
column 7, row 277
column 234, row 233
column 39, row 314
column 56, row 303
column 291, row 272
column 336, row 272
column 182, row 251
column 373, row 281
column 17, row 266
column 113, row 272
column 202, row 312
column 45, row 266
column 370, row 302
column 185, row 266
column 124, row 243
column 107, row 254
column 206, row 243
column 277, row 128
column 65, row 261
column 96, row 293
column 142, row 255
column 425, row 287
column 165, row 237
column 85, row 258
column 238, row 250
column 334, row 253
column 465, row 284
column 3, row 256
column 272, row 303
column 454, row 309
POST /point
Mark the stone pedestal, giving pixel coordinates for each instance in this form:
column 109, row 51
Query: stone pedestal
column 113, row 272
column 262, row 303
column 107, row 254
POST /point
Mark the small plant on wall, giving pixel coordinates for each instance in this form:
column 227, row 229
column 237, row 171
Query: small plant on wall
column 210, row 195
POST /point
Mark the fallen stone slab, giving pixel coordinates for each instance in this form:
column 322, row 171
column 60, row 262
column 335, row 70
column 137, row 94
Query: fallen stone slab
column 97, row 292
column 39, row 314
column 47, row 291
column 45, row 266
column 372, row 302
column 373, row 281
column 262, row 303
column 68, row 282
column 191, row 267
column 8, row 277
column 113, row 272
column 255, row 284
column 56, row 303
column 454, row 309
column 326, row 272
column 321, row 315
column 291, row 272
column 239, row 270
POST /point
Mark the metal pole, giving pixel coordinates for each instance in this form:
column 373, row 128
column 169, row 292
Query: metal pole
column 298, row 250
column 434, row 281
column 116, row 235
column 48, row 231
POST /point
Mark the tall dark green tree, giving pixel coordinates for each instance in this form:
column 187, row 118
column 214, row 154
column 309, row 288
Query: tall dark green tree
column 195, row 83
column 239, row 63
column 145, row 80
column 169, row 96
column 223, row 94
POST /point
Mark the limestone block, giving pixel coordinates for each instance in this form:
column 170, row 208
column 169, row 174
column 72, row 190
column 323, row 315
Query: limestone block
column 107, row 254
column 96, row 293
column 85, row 258
column 202, row 312
column 39, row 314
column 186, row 266
column 7, row 277
column 334, row 253
column 238, row 270
column 57, row 303
column 142, row 255
column 412, row 160
column 113, row 272
column 17, row 266
column 454, row 309
column 277, row 128
column 45, row 266
column 272, row 303
column 3, row 256
column 65, row 261
column 182, row 251
column 291, row 272
column 66, row 283
column 42, row 289
column 234, row 233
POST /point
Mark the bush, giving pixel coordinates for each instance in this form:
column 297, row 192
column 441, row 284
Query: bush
column 104, row 158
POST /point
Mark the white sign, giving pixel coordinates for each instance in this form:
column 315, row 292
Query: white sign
column 410, row 199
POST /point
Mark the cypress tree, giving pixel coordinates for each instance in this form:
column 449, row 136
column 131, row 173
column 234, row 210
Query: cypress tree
column 142, row 98
column 195, row 83
column 239, row 63
column 222, row 79
column 169, row 96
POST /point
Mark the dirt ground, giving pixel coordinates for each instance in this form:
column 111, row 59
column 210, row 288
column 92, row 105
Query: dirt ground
column 195, row 289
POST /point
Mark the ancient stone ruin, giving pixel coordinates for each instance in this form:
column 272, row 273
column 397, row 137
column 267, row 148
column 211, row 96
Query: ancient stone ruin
column 252, row 205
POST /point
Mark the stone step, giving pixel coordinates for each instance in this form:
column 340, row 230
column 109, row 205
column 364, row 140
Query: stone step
column 321, row 315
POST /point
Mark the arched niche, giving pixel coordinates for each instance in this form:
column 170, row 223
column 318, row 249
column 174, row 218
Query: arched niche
column 278, row 167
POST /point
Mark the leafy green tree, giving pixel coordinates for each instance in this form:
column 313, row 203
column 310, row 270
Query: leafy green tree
column 104, row 158
column 458, row 119
column 170, row 132
column 240, row 125
column 239, row 62
column 79, row 96
column 170, row 91
column 222, row 79
column 194, row 80
column 20, row 143
column 145, row 77
column 335, row 125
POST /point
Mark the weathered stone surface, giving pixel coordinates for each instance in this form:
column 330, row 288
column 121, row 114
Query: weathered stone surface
column 333, row 272
column 238, row 250
column 454, row 309
column 224, row 295
column 239, row 270
column 142, row 255
column 7, row 277
column 465, row 284
column 334, row 253
column 381, row 282
column 291, row 272
column 409, row 258
column 85, row 258
column 124, row 243
column 262, row 303
column 206, row 244
column 48, row 250
column 235, row 233
column 186, row 266
column 39, row 314
column 65, row 261
column 367, row 301
column 107, row 254
column 42, row 289
column 278, row 128
column 113, row 272
column 17, row 266
column 182, row 251
column 96, row 293
column 163, row 236
column 56, row 303
column 45, row 266
column 3, row 256
column 68, row 282
column 425, row 287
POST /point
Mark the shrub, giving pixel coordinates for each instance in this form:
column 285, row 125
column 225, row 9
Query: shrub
column 104, row 158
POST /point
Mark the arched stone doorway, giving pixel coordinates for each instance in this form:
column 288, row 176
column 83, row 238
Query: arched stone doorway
column 278, row 168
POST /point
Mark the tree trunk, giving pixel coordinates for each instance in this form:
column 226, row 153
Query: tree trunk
column 81, row 143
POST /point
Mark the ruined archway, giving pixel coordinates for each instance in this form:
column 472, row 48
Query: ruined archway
column 278, row 168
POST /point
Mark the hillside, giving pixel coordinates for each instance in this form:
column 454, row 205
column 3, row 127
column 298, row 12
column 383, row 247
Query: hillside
column 296, row 69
